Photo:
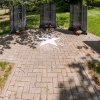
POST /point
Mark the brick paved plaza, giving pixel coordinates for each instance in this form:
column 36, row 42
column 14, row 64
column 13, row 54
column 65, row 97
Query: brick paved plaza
column 50, row 72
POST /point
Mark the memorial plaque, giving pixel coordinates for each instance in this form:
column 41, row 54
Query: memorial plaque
column 78, row 17
column 11, row 18
column 17, row 17
column 24, row 16
column 20, row 16
column 48, row 15
column 15, row 12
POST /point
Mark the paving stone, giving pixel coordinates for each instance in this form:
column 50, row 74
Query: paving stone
column 19, row 84
column 13, row 95
column 91, row 89
column 35, row 90
column 53, row 97
column 72, row 84
column 85, row 83
column 95, row 98
column 82, row 88
column 12, row 82
column 44, row 74
column 37, row 97
column 47, row 80
column 52, row 74
column 39, row 77
column 59, row 90
column 12, row 88
column 74, row 89
column 70, row 74
column 57, row 70
column 37, row 70
column 43, row 96
column 68, row 79
column 5, row 98
column 41, row 85
column 48, row 72
column 60, row 78
column 33, row 80
column 93, row 94
column 63, row 96
column 68, row 91
column 8, row 93
column 32, row 74
column 26, row 87
column 68, row 69
column 64, row 73
column 65, row 84
column 26, row 79
column 69, row 97
column 77, row 82
column 78, row 95
column 50, row 88
column 87, row 94
column 19, row 93
column 27, row 96
column 55, row 82
column 97, row 92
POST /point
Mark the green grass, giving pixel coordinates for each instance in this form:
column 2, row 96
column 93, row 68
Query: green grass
column 62, row 19
column 5, row 69
column 4, row 27
column 3, row 65
column 4, row 22
column 94, row 68
column 2, row 12
column 94, row 21
column 33, row 20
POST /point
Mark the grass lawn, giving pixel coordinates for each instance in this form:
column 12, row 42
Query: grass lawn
column 2, row 12
column 94, row 21
column 4, row 22
column 33, row 20
column 5, row 69
column 94, row 70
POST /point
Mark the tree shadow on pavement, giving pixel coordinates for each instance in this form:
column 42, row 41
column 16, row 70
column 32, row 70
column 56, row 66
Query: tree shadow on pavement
column 79, row 86
column 65, row 31
column 12, row 39
column 5, row 41
column 30, row 37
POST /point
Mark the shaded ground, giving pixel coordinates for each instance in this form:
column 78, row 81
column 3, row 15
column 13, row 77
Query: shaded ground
column 49, row 72
column 95, row 45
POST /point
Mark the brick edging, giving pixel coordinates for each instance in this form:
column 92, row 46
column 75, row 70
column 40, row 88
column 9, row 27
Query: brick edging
column 7, row 83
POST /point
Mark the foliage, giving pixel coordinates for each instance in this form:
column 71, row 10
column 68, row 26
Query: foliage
column 33, row 5
column 94, row 66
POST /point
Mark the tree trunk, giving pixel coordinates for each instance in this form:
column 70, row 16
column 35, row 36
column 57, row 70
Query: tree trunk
column 47, row 1
column 5, row 10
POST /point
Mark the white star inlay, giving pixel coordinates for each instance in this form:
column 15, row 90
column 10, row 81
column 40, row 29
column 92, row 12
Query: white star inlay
column 50, row 41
